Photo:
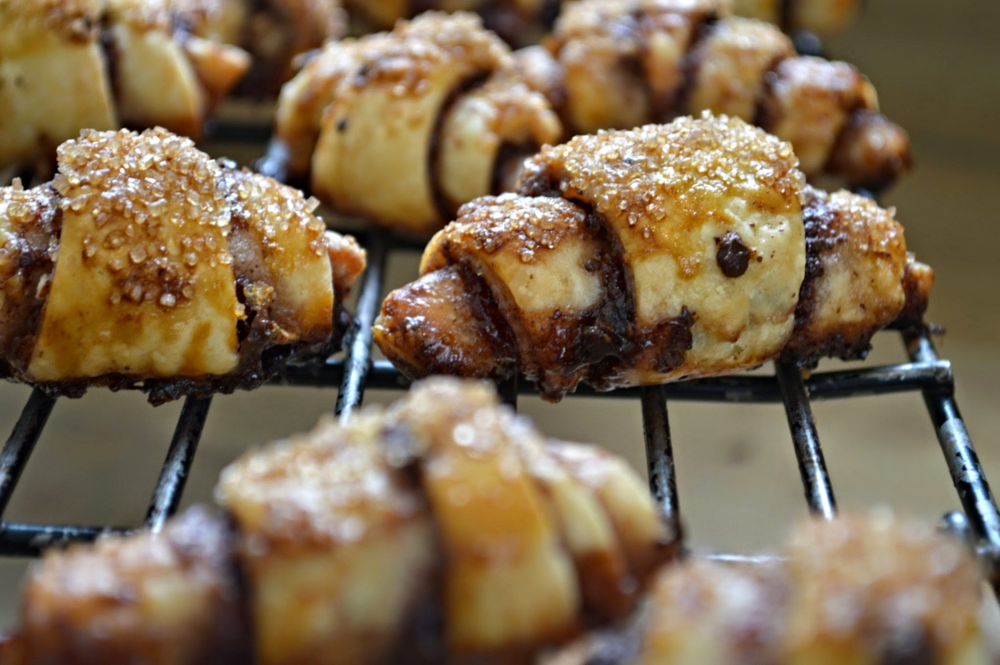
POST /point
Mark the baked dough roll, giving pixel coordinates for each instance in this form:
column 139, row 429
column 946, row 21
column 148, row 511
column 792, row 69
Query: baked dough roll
column 638, row 257
column 337, row 545
column 448, row 504
column 38, row 40
column 166, row 598
column 401, row 128
column 624, row 64
column 91, row 64
column 147, row 264
column 860, row 589
column 443, row 529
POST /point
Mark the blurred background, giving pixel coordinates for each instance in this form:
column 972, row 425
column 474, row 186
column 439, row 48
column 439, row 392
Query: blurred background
column 937, row 70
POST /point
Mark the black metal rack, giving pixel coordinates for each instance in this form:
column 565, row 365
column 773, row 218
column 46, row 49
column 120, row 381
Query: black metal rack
column 355, row 369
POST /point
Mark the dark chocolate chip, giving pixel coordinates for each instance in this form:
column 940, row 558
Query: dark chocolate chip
column 733, row 256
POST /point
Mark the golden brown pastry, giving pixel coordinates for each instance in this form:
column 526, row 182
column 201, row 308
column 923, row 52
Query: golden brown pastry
column 620, row 64
column 859, row 589
column 445, row 528
column 447, row 500
column 163, row 598
column 67, row 65
column 819, row 16
column 637, row 257
column 145, row 263
column 401, row 128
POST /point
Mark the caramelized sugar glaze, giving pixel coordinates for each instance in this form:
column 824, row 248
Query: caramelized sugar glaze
column 154, row 266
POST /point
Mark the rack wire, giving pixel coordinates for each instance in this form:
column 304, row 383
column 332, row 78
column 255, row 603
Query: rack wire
column 356, row 369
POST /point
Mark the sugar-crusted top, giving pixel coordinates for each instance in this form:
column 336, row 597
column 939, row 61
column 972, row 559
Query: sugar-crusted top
column 695, row 164
column 75, row 19
column 333, row 485
column 165, row 204
column 521, row 225
column 274, row 211
column 867, row 576
column 402, row 59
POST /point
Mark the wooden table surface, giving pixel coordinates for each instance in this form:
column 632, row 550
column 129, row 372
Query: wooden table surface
column 938, row 74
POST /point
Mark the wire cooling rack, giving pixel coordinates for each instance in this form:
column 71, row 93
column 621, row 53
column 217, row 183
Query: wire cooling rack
column 354, row 369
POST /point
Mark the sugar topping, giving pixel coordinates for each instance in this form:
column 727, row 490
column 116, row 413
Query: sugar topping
column 22, row 207
column 76, row 19
column 659, row 181
column 157, row 206
column 331, row 485
column 274, row 211
column 405, row 58
column 882, row 578
column 519, row 224
column 142, row 14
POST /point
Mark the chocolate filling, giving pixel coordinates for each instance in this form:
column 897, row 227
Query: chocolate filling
column 200, row 537
column 612, row 344
column 690, row 66
column 445, row 210
column 491, row 321
column 34, row 262
column 422, row 639
column 605, row 339
column 766, row 113
column 818, row 219
column 806, row 345
column 785, row 15
column 509, row 165
column 111, row 56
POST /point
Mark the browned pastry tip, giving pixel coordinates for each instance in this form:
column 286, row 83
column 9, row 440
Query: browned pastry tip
column 638, row 257
column 872, row 151
column 432, row 326
column 918, row 280
column 145, row 263
column 166, row 597
column 855, row 282
column 867, row 588
column 348, row 259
